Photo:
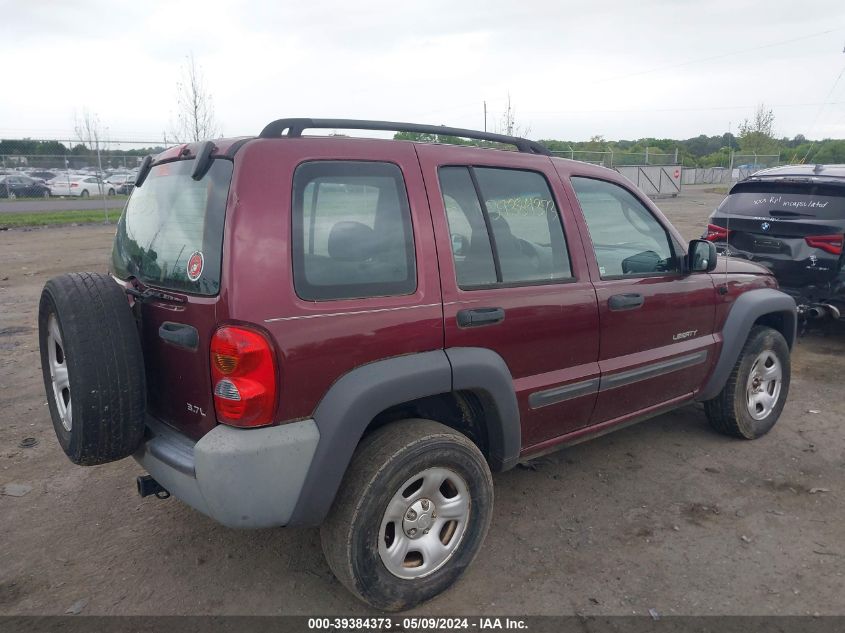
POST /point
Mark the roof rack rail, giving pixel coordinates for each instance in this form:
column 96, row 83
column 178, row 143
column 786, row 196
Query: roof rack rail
column 295, row 128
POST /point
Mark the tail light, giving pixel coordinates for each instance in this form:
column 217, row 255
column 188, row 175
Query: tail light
column 716, row 233
column 828, row 243
column 73, row 184
column 243, row 372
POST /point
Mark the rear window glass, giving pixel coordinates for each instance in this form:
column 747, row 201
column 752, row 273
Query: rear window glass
column 352, row 235
column 786, row 199
column 173, row 223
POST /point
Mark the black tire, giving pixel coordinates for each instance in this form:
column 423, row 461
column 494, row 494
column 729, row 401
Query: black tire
column 83, row 193
column 46, row 193
column 381, row 465
column 111, row 191
column 728, row 412
column 101, row 354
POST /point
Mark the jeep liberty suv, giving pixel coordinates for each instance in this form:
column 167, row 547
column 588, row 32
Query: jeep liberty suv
column 354, row 333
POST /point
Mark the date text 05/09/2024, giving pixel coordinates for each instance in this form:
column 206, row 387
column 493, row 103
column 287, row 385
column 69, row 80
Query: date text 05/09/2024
column 418, row 623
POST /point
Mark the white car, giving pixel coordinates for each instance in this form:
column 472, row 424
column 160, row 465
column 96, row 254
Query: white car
column 82, row 186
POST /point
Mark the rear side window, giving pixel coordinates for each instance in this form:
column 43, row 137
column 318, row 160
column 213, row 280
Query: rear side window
column 352, row 235
column 505, row 227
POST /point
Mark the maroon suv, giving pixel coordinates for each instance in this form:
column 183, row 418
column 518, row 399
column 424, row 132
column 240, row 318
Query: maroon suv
column 354, row 333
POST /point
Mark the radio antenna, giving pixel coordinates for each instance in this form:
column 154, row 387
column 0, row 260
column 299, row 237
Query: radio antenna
column 724, row 289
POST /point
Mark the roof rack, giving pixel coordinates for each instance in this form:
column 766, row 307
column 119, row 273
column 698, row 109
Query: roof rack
column 295, row 128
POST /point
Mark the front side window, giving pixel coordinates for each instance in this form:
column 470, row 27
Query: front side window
column 352, row 235
column 627, row 239
column 505, row 227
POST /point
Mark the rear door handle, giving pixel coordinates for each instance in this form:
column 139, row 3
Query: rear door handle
column 629, row 301
column 480, row 316
column 179, row 334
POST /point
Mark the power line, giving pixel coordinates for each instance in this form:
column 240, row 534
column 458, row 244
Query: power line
column 820, row 110
column 714, row 57
column 702, row 109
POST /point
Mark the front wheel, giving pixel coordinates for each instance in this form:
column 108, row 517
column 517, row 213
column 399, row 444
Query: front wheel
column 411, row 514
column 754, row 396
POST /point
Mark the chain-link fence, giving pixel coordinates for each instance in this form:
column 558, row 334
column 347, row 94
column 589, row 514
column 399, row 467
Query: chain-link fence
column 22, row 154
column 739, row 167
column 44, row 168
column 754, row 161
column 611, row 158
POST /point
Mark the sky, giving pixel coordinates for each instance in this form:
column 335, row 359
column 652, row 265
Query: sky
column 573, row 70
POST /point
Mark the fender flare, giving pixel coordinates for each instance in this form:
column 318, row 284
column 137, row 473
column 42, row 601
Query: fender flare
column 483, row 372
column 360, row 395
column 746, row 309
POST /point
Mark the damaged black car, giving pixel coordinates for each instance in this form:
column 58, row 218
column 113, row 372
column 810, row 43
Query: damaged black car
column 790, row 219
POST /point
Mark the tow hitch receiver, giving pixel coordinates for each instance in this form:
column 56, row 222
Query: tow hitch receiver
column 148, row 486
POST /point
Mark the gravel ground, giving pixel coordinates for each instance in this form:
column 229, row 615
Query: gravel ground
column 665, row 515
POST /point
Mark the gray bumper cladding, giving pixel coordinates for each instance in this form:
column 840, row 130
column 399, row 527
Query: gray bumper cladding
column 246, row 478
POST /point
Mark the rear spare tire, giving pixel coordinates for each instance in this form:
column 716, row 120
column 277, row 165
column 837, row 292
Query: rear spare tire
column 93, row 367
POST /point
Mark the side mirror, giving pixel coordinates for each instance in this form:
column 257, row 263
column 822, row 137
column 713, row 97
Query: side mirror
column 701, row 256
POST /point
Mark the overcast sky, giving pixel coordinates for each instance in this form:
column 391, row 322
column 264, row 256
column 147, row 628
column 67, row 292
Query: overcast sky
column 626, row 69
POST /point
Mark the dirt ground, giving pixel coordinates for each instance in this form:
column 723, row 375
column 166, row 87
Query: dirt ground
column 665, row 515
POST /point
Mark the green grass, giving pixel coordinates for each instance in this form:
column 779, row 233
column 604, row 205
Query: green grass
column 83, row 216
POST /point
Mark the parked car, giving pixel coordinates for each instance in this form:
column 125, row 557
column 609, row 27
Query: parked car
column 122, row 183
column 791, row 220
column 80, row 185
column 354, row 333
column 12, row 186
column 43, row 176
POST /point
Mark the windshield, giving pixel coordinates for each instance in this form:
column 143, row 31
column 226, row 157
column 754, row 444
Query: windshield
column 171, row 232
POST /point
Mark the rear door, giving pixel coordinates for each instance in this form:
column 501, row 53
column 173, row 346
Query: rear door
column 514, row 280
column 169, row 247
column 793, row 228
column 657, row 339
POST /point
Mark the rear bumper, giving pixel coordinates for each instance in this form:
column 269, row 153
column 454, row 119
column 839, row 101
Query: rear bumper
column 245, row 478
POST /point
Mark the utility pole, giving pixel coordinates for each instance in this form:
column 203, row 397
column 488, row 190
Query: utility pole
column 485, row 116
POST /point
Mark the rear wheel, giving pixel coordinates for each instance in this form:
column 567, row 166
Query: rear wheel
column 83, row 193
column 92, row 367
column 46, row 193
column 411, row 514
column 754, row 396
column 13, row 195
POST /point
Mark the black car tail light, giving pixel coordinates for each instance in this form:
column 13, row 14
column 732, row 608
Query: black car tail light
column 828, row 243
column 716, row 233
